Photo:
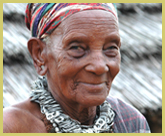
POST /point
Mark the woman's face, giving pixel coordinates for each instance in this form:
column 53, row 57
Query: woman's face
column 83, row 58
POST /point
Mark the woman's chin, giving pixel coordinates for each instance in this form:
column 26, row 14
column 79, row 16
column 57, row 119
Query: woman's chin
column 90, row 101
column 91, row 95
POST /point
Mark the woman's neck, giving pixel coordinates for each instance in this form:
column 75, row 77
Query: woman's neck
column 85, row 115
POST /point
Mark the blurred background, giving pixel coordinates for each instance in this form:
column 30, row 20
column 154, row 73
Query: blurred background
column 139, row 82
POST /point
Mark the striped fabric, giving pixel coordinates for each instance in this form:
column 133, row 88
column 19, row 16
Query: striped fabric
column 43, row 18
column 127, row 119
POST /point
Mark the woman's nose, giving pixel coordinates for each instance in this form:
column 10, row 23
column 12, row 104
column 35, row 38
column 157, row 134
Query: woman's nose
column 97, row 64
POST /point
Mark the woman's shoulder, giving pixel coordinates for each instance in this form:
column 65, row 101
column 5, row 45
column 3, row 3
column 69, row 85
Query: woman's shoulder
column 128, row 119
column 22, row 118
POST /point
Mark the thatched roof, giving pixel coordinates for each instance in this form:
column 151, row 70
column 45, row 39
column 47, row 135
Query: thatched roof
column 140, row 79
column 140, row 29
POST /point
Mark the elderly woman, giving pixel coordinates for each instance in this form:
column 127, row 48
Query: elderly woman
column 76, row 51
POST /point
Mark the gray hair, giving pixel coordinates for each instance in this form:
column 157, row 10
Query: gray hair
column 47, row 40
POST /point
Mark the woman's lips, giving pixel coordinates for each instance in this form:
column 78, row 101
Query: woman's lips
column 93, row 87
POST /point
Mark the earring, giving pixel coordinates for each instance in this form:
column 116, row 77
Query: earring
column 42, row 67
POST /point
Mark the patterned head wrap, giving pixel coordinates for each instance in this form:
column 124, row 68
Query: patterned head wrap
column 42, row 18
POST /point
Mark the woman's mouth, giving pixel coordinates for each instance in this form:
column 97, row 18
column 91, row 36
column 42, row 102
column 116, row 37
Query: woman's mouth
column 93, row 87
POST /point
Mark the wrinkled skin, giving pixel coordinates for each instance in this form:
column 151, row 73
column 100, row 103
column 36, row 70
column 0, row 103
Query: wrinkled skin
column 80, row 62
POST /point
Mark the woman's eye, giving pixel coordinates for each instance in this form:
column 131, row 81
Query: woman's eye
column 76, row 51
column 111, row 51
column 76, row 48
column 112, row 47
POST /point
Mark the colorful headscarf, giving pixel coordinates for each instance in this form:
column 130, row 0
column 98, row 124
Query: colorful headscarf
column 42, row 18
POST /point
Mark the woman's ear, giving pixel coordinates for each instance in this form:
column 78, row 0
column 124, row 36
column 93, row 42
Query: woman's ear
column 37, row 51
